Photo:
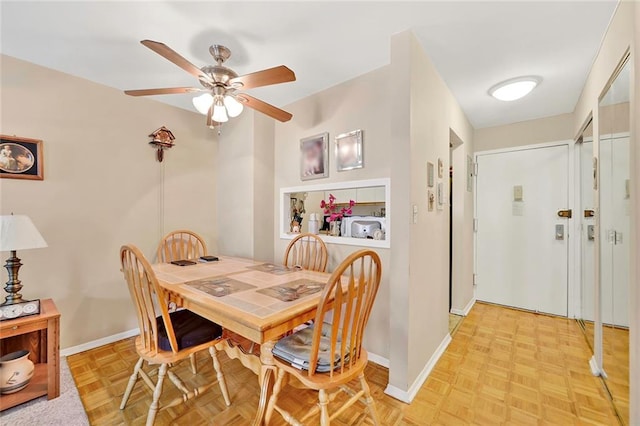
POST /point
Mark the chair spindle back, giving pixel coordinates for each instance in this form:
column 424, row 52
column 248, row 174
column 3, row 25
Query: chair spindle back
column 181, row 245
column 359, row 274
column 307, row 251
column 146, row 294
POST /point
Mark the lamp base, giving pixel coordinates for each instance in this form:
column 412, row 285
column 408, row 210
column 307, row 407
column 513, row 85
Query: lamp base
column 14, row 285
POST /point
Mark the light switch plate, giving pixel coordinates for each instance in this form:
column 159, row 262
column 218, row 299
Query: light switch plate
column 440, row 196
column 517, row 193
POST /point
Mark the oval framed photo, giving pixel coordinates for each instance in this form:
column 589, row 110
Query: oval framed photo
column 21, row 158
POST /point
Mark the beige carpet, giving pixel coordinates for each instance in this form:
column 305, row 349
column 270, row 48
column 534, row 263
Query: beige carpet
column 67, row 409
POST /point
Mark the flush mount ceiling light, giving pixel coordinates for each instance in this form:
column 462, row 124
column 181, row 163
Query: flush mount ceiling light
column 514, row 88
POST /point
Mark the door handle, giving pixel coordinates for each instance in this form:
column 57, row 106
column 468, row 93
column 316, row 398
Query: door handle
column 559, row 232
column 565, row 213
column 591, row 232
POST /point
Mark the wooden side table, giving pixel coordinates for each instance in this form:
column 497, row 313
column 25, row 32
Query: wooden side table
column 40, row 335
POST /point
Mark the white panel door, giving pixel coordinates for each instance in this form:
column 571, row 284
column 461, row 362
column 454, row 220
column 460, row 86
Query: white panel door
column 521, row 262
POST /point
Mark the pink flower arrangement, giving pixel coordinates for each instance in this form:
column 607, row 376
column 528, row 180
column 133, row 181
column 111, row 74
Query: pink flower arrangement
column 331, row 208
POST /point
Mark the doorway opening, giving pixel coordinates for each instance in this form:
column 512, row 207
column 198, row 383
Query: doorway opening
column 457, row 190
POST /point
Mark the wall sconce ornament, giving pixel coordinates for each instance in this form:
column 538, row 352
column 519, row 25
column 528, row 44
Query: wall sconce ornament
column 162, row 139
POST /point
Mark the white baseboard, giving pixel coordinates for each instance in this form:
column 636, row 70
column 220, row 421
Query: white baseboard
column 464, row 312
column 99, row 342
column 408, row 395
column 380, row 360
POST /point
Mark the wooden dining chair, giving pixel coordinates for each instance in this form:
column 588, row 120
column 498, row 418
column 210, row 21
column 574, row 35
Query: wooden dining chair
column 326, row 357
column 307, row 251
column 167, row 338
column 181, row 245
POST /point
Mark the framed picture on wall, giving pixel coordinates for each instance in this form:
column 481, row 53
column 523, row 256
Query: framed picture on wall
column 314, row 157
column 21, row 158
column 349, row 154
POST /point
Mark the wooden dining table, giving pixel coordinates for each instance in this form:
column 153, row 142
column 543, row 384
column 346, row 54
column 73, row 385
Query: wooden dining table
column 259, row 301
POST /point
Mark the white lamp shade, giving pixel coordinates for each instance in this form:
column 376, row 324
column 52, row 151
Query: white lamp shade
column 203, row 103
column 234, row 108
column 220, row 114
column 19, row 233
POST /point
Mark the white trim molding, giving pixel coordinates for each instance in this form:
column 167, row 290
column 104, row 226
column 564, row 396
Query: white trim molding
column 593, row 364
column 99, row 342
column 465, row 311
column 380, row 360
column 408, row 395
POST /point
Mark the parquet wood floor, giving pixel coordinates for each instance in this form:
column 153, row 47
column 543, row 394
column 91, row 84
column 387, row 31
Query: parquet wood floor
column 502, row 367
column 616, row 365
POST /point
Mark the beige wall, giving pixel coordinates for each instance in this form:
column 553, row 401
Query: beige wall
column 101, row 190
column 614, row 118
column 244, row 192
column 616, row 42
column 531, row 132
column 434, row 112
column 235, row 190
column 352, row 105
column 402, row 133
column 623, row 34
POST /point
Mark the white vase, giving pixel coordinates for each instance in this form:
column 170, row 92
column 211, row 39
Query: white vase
column 314, row 227
column 334, row 228
column 16, row 371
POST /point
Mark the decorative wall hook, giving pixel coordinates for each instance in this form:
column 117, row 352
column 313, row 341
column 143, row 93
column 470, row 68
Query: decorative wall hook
column 162, row 139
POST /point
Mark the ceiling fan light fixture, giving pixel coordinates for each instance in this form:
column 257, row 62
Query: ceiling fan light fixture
column 234, row 108
column 203, row 103
column 221, row 98
column 219, row 111
column 515, row 88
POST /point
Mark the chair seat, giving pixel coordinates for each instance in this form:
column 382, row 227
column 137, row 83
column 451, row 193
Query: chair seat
column 190, row 330
column 296, row 349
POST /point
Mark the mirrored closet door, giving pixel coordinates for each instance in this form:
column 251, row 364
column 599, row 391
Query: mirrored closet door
column 587, row 235
column 615, row 221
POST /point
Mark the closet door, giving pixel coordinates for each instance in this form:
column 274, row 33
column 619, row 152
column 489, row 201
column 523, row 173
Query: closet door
column 615, row 229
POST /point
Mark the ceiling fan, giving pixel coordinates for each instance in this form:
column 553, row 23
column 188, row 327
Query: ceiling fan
column 221, row 85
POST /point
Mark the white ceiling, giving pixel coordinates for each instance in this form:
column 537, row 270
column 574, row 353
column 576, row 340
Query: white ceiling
column 473, row 44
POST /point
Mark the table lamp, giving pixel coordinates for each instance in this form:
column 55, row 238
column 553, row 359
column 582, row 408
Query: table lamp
column 17, row 233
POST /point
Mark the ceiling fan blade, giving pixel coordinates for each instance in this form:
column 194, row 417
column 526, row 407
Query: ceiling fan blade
column 266, row 77
column 173, row 56
column 166, row 91
column 264, row 107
